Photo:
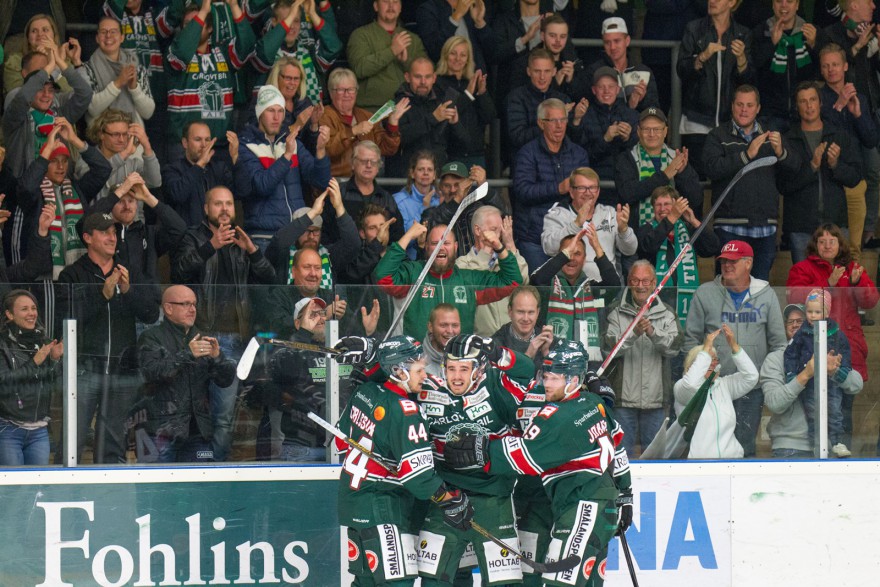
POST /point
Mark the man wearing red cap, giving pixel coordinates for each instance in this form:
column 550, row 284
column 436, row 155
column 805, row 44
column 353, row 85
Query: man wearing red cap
column 750, row 307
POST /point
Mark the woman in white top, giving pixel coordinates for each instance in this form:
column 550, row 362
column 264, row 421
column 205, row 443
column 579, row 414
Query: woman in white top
column 713, row 436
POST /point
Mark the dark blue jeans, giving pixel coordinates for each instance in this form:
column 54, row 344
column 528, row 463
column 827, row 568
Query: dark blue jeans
column 19, row 446
column 764, row 247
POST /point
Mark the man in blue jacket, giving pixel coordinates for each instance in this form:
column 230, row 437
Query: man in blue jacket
column 272, row 167
column 541, row 178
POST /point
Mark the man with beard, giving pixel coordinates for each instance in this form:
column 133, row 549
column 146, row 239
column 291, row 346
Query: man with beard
column 444, row 282
column 186, row 180
column 219, row 260
column 573, row 444
column 642, row 368
column 274, row 168
column 429, row 122
column 483, row 389
column 443, row 325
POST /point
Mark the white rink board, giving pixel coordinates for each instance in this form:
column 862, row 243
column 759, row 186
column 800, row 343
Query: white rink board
column 753, row 524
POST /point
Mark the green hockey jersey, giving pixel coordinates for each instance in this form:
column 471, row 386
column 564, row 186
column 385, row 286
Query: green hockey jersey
column 384, row 421
column 489, row 409
column 574, row 446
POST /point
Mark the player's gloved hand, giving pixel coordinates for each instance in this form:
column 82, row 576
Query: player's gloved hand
column 466, row 452
column 624, row 510
column 457, row 510
column 356, row 350
column 494, row 352
column 601, row 387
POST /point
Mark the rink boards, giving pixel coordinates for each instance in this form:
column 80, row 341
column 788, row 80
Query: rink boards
column 719, row 524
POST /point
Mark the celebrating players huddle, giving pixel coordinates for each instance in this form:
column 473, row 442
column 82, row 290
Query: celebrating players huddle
column 488, row 431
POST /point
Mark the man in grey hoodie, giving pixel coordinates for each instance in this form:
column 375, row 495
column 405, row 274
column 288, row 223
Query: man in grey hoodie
column 751, row 308
column 788, row 424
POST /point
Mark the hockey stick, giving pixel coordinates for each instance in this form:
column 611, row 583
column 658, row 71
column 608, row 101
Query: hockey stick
column 475, row 196
column 629, row 561
column 762, row 162
column 250, row 352
column 552, row 567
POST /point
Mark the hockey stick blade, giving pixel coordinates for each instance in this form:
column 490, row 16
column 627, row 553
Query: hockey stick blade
column 551, row 567
column 475, row 196
column 247, row 359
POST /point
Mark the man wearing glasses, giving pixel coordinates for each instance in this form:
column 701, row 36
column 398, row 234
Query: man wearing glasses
column 751, row 309
column 581, row 209
column 173, row 419
column 541, row 178
column 651, row 164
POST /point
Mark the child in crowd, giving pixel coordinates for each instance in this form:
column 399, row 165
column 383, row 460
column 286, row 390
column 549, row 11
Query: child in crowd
column 800, row 351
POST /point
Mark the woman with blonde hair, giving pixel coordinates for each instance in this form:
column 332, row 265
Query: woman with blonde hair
column 712, row 436
column 458, row 81
column 41, row 34
column 350, row 125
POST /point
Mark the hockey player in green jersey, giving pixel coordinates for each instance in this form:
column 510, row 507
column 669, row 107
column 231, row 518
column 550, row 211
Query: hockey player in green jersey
column 377, row 491
column 573, row 444
column 480, row 395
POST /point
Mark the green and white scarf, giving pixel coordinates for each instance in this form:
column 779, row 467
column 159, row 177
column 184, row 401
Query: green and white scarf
column 779, row 63
column 563, row 310
column 67, row 247
column 646, row 170
column 686, row 276
column 44, row 122
column 326, row 269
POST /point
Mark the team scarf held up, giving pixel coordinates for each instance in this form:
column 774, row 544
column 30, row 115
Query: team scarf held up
column 686, row 276
column 563, row 310
column 67, row 247
column 646, row 170
column 779, row 63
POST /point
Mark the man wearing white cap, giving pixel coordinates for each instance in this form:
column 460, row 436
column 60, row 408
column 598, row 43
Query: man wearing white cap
column 638, row 85
column 272, row 167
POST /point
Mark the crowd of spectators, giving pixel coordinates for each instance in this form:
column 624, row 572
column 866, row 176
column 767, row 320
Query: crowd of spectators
column 192, row 173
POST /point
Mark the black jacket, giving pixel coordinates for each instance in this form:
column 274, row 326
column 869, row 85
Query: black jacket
column 434, row 27
column 543, row 275
column 812, row 197
column 777, row 89
column 577, row 88
column 139, row 245
column 754, row 201
column 602, row 153
column 862, row 69
column 184, row 185
column 420, row 130
column 106, row 329
column 521, row 114
column 333, row 228
column 25, row 387
column 700, row 100
column 473, row 116
column 632, row 190
column 464, row 234
column 175, row 389
column 196, row 263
